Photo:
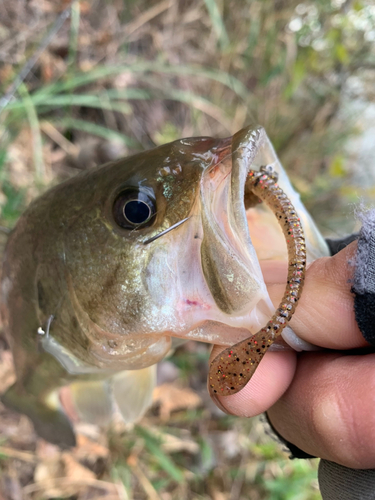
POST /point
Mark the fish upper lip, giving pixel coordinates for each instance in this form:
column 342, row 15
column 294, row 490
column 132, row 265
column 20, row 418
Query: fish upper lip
column 229, row 261
column 246, row 145
column 225, row 226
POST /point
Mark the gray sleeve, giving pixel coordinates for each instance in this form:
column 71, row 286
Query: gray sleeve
column 337, row 482
column 364, row 278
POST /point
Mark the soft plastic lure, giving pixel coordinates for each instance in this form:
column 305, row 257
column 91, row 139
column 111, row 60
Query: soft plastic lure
column 232, row 369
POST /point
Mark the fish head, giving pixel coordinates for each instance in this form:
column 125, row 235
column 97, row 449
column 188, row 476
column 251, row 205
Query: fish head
column 158, row 245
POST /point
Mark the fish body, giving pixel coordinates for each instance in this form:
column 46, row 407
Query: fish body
column 103, row 270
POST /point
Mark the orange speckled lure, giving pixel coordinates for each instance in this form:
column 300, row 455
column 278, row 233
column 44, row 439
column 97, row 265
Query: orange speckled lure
column 232, row 369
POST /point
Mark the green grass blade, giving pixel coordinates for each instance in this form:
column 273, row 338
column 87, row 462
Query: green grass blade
column 202, row 104
column 15, row 203
column 193, row 100
column 94, row 129
column 153, row 446
column 74, row 33
column 111, row 101
column 217, row 23
column 143, row 67
column 84, row 100
column 35, row 130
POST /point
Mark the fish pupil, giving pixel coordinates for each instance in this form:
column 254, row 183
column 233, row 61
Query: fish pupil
column 134, row 208
column 137, row 212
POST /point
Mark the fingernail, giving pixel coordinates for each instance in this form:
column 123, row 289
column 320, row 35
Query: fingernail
column 218, row 403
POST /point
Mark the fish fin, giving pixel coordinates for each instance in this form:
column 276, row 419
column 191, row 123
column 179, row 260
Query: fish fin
column 132, row 391
column 50, row 423
column 92, row 401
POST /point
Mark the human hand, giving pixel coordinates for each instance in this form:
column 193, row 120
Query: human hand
column 319, row 401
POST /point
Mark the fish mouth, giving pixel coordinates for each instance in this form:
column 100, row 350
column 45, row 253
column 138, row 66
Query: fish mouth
column 201, row 281
column 209, row 288
column 229, row 261
column 221, row 297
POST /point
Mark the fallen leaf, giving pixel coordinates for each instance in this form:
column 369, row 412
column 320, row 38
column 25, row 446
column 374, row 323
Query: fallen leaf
column 175, row 444
column 74, row 470
column 171, row 397
column 90, row 450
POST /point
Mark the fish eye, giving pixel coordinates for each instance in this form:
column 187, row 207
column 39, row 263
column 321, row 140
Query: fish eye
column 133, row 209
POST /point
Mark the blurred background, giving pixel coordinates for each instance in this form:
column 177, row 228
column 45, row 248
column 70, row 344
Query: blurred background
column 123, row 76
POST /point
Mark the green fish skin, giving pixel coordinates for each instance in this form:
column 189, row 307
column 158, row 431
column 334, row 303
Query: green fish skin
column 94, row 285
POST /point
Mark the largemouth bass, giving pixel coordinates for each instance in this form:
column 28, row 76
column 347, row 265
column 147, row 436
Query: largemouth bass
column 103, row 270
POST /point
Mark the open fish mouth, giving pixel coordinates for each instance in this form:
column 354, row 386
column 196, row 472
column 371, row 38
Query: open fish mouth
column 203, row 280
column 230, row 264
column 209, row 288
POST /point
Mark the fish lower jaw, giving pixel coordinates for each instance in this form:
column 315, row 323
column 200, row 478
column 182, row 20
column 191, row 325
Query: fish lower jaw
column 131, row 353
column 193, row 319
column 205, row 322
